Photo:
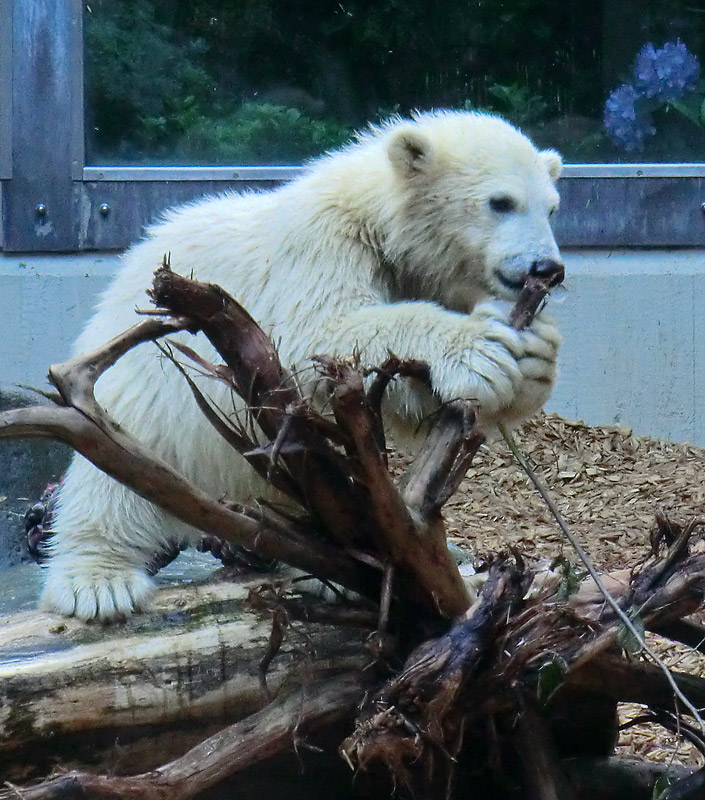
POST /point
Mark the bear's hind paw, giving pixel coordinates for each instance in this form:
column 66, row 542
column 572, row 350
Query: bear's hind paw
column 108, row 598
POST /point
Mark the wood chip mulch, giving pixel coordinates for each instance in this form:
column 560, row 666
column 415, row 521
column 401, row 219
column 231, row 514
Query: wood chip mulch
column 609, row 484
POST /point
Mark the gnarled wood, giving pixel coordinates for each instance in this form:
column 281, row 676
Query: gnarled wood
column 262, row 735
column 466, row 669
column 195, row 657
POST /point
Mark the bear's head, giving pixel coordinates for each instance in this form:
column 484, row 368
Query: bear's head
column 473, row 202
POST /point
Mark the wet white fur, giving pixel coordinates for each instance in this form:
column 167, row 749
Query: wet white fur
column 389, row 244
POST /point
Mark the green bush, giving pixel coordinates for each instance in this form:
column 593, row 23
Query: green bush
column 260, row 133
column 144, row 86
column 176, row 80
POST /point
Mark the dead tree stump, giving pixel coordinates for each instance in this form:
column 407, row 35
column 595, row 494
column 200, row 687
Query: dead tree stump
column 502, row 688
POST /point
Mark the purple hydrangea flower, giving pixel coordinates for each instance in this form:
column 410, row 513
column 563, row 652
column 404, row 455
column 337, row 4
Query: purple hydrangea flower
column 627, row 126
column 667, row 73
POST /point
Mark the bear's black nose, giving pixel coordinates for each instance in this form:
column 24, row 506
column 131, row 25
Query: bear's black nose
column 548, row 269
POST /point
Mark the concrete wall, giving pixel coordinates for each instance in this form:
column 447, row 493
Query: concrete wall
column 634, row 341
column 633, row 324
column 44, row 302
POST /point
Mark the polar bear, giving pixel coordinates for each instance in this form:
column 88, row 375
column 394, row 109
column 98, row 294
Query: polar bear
column 416, row 239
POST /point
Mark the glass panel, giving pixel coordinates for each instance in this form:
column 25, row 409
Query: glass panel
column 278, row 81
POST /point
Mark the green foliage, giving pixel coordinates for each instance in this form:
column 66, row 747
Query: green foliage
column 691, row 105
column 260, row 133
column 551, row 676
column 144, row 85
column 660, row 787
column 518, row 104
column 629, row 643
column 514, row 102
column 169, row 79
column 570, row 581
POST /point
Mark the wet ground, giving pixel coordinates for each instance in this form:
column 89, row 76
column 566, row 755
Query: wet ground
column 20, row 584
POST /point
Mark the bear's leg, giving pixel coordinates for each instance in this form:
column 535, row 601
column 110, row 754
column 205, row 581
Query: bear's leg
column 103, row 538
column 479, row 356
column 105, row 535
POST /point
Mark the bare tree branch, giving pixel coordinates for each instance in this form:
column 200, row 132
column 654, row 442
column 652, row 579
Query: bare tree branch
column 420, row 551
column 274, row 729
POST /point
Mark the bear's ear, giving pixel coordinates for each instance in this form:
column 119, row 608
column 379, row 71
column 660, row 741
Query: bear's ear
column 553, row 162
column 410, row 151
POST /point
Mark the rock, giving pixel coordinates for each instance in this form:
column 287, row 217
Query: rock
column 26, row 467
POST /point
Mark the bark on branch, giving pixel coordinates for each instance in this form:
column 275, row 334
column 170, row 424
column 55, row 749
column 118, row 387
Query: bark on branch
column 488, row 663
column 274, row 729
column 122, row 457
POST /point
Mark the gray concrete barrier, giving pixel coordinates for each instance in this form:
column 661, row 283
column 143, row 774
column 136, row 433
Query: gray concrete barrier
column 633, row 323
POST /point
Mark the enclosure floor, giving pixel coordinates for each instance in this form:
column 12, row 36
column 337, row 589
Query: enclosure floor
column 609, row 484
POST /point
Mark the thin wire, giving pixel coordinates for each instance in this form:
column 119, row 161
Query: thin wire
column 585, row 558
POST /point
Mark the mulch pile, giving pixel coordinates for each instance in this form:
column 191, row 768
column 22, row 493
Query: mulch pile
column 609, row 484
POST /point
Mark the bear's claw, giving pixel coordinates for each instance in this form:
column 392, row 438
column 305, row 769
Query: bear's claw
column 106, row 596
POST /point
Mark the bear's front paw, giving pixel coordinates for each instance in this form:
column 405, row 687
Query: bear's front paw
column 539, row 368
column 107, row 594
column 508, row 374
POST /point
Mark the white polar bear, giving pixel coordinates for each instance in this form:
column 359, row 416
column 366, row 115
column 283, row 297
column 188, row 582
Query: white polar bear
column 415, row 239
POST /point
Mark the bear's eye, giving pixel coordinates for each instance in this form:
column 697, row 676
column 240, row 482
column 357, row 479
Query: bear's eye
column 502, row 204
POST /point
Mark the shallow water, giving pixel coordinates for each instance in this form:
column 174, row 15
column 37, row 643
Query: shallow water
column 20, row 584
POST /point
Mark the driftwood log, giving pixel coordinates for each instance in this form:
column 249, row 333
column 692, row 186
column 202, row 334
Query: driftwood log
column 202, row 656
column 506, row 687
